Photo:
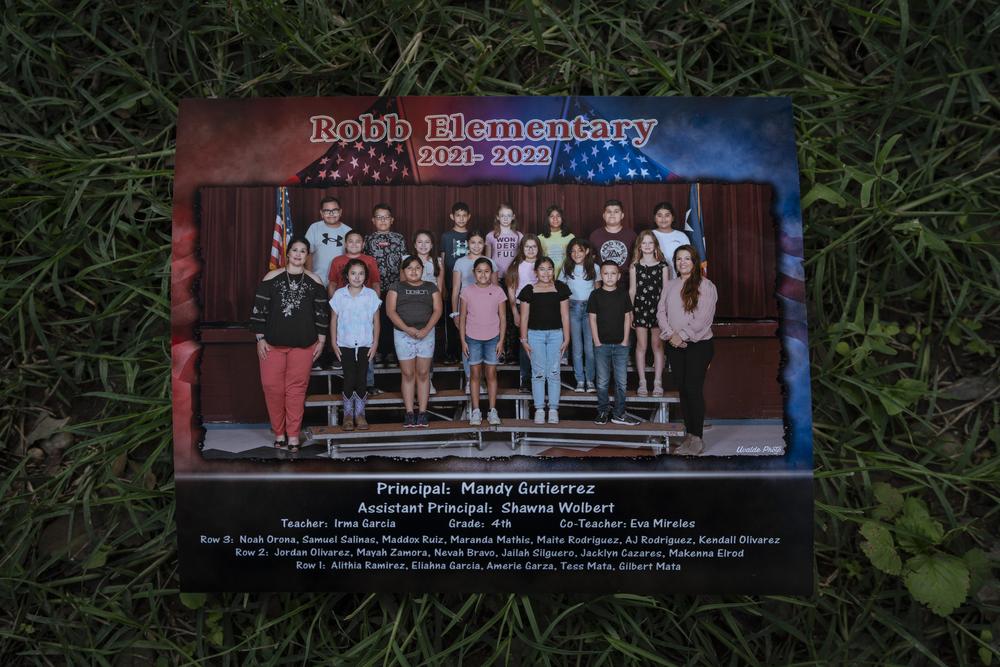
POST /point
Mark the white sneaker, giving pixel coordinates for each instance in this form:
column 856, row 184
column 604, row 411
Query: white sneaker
column 579, row 388
column 466, row 388
column 432, row 390
column 539, row 416
column 492, row 417
column 476, row 418
column 553, row 416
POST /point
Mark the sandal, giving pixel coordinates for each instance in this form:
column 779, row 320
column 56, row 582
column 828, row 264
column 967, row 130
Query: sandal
column 293, row 447
column 657, row 390
column 642, row 391
column 279, row 444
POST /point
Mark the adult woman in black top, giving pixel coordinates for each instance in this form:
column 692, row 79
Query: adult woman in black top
column 544, row 323
column 290, row 319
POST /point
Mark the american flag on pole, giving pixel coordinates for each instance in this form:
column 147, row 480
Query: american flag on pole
column 694, row 225
column 362, row 163
column 282, row 228
column 602, row 161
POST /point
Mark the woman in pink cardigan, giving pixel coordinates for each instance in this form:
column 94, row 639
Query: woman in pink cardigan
column 685, row 314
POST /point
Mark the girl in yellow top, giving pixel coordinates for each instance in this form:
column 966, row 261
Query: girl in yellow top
column 555, row 237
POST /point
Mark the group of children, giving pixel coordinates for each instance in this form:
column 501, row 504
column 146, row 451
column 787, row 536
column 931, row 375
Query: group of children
column 510, row 295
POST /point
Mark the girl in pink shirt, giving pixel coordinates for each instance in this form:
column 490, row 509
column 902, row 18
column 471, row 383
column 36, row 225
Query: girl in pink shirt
column 685, row 314
column 482, row 323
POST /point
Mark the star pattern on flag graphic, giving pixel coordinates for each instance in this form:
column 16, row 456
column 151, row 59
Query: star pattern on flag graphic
column 362, row 163
column 603, row 161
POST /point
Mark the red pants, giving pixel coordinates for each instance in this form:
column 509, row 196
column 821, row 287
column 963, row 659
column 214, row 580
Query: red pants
column 285, row 376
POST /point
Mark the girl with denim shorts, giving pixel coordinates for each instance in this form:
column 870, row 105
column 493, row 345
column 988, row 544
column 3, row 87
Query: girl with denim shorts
column 482, row 322
column 414, row 307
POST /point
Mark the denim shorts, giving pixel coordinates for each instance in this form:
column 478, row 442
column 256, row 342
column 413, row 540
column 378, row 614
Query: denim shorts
column 482, row 351
column 408, row 347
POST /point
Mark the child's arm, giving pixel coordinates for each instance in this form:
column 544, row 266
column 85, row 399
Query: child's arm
column 593, row 329
column 523, row 326
column 456, row 287
column 502, row 307
column 628, row 325
column 631, row 282
column 440, row 276
column 333, row 333
column 463, row 314
column 564, row 314
column 512, row 299
column 435, row 315
column 376, row 331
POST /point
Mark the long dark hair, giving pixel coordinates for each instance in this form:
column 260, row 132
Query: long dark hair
column 546, row 230
column 689, row 293
column 513, row 277
column 432, row 255
column 588, row 261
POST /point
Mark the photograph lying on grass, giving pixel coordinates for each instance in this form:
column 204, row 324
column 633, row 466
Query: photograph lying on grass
column 521, row 335
column 453, row 371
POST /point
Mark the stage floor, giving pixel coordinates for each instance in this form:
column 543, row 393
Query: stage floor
column 722, row 438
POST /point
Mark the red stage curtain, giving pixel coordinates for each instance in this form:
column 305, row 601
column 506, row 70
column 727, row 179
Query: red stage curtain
column 237, row 223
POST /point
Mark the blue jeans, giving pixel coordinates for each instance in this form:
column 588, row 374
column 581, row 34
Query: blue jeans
column 609, row 356
column 583, row 342
column 545, row 360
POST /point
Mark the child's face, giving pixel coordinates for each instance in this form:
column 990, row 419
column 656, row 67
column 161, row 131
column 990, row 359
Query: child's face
column 423, row 244
column 297, row 254
column 613, row 216
column 483, row 274
column 505, row 216
column 530, row 250
column 460, row 218
column 647, row 245
column 683, row 262
column 544, row 273
column 476, row 245
column 354, row 244
column 414, row 272
column 578, row 253
column 664, row 219
column 555, row 220
column 331, row 213
column 609, row 276
column 382, row 220
column 356, row 276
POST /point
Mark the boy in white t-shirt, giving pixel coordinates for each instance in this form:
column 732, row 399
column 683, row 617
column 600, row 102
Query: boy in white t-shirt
column 668, row 237
column 326, row 238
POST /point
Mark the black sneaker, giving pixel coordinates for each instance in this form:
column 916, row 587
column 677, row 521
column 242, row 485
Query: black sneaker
column 422, row 420
column 379, row 359
column 409, row 420
column 601, row 418
column 627, row 420
column 524, row 389
column 374, row 391
column 335, row 365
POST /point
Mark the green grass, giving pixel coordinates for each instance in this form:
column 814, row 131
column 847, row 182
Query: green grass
column 896, row 113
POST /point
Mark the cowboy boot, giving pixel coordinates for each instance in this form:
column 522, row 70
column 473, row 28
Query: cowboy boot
column 359, row 412
column 348, row 424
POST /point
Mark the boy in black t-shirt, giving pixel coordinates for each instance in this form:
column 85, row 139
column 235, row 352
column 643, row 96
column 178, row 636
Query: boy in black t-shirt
column 610, row 322
column 454, row 245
